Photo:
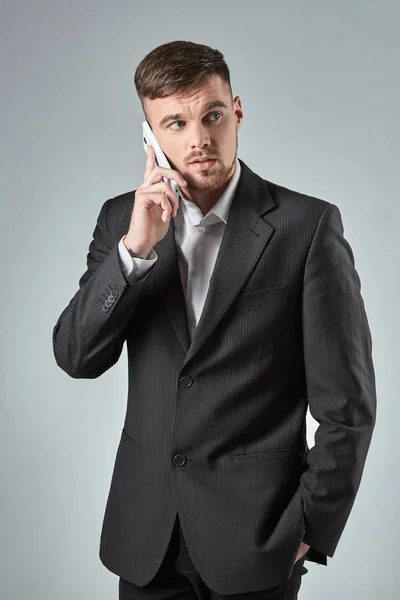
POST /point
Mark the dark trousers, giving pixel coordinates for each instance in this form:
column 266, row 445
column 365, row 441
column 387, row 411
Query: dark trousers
column 177, row 578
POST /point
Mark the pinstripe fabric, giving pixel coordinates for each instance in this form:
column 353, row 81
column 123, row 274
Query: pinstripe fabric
column 215, row 425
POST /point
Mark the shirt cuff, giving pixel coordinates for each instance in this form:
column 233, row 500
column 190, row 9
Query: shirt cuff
column 135, row 268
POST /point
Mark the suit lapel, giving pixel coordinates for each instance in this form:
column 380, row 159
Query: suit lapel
column 245, row 237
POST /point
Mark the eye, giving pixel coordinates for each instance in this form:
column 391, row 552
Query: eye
column 219, row 114
column 170, row 127
column 215, row 113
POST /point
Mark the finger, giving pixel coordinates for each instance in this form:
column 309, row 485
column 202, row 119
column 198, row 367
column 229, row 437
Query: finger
column 164, row 203
column 161, row 200
column 160, row 196
column 163, row 187
column 150, row 161
column 158, row 172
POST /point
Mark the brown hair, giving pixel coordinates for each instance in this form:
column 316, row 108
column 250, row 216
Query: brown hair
column 177, row 67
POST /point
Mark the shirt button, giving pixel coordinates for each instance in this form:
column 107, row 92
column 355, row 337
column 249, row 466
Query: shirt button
column 186, row 381
column 200, row 230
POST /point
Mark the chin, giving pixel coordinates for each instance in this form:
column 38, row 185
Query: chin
column 205, row 184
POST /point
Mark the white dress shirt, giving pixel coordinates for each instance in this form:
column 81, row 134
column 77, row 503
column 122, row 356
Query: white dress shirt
column 198, row 239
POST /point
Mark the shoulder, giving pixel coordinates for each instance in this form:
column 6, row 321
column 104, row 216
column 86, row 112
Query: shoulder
column 117, row 211
column 120, row 202
column 299, row 204
column 297, row 210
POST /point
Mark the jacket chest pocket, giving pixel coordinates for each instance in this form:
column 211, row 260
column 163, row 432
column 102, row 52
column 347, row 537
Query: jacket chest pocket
column 261, row 297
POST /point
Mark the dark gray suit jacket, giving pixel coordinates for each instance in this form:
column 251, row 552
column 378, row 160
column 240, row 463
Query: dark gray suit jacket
column 215, row 427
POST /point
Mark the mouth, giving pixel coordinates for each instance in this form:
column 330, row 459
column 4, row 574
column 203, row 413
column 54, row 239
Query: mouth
column 202, row 164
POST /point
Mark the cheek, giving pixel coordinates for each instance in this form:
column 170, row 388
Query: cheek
column 227, row 144
column 227, row 135
column 174, row 159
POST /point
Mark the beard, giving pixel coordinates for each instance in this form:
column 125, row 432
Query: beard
column 210, row 179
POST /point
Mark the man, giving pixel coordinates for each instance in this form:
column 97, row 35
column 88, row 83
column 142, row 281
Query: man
column 240, row 307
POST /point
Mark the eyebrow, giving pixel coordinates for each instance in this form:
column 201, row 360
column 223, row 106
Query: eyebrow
column 177, row 116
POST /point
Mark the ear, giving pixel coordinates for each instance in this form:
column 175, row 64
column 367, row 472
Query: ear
column 238, row 110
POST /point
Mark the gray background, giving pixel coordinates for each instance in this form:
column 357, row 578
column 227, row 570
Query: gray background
column 319, row 83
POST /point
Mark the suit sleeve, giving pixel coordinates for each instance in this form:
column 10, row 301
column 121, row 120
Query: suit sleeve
column 89, row 334
column 340, row 383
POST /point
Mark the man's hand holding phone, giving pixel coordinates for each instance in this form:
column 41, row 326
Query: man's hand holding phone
column 155, row 203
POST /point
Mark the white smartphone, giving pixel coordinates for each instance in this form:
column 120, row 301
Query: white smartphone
column 161, row 159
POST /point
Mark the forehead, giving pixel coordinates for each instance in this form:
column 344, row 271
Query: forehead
column 213, row 88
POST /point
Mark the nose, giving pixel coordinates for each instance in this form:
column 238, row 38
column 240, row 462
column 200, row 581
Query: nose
column 199, row 136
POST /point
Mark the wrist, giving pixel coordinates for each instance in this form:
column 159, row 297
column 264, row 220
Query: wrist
column 136, row 250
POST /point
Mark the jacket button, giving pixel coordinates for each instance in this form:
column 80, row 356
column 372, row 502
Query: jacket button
column 105, row 308
column 186, row 381
column 179, row 460
column 114, row 293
